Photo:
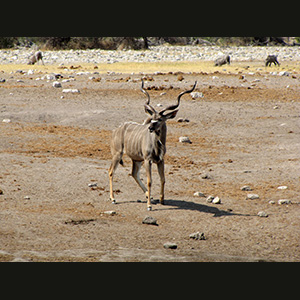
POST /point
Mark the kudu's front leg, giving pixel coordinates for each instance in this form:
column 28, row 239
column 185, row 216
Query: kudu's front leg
column 161, row 172
column 148, row 165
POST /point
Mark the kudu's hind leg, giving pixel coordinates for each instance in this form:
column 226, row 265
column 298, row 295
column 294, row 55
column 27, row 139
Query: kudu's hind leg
column 136, row 166
column 114, row 164
column 148, row 165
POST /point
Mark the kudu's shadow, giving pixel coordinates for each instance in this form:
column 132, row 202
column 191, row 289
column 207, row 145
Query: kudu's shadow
column 189, row 205
column 171, row 204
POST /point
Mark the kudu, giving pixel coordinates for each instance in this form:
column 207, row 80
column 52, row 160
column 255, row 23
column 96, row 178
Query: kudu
column 143, row 143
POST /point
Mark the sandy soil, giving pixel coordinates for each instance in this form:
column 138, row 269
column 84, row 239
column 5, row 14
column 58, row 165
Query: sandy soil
column 244, row 131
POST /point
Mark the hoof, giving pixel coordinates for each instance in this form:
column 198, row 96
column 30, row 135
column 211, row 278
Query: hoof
column 114, row 202
column 149, row 208
column 162, row 202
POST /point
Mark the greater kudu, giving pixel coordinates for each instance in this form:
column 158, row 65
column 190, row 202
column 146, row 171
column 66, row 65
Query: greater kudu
column 143, row 142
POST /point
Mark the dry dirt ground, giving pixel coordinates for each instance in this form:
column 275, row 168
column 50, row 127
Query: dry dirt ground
column 244, row 131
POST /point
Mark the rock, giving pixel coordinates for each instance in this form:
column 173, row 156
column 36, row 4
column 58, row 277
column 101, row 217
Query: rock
column 198, row 236
column 284, row 73
column 170, row 246
column 180, row 78
column 284, row 201
column 27, row 197
column 6, row 120
column 252, row 196
column 283, row 187
column 216, row 200
column 50, row 77
column 2, row 80
column 210, row 199
column 92, row 185
column 262, row 214
column 56, row 84
column 185, row 139
column 199, row 194
column 183, row 120
column 150, row 221
column 1, row 192
column 196, row 95
column 271, row 202
column 71, row 91
column 246, row 188
column 110, row 212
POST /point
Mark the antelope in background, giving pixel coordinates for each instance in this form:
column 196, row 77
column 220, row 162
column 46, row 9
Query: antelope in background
column 144, row 143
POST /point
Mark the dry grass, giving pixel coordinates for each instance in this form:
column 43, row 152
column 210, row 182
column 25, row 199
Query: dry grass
column 136, row 67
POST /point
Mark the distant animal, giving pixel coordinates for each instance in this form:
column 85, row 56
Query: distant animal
column 225, row 59
column 272, row 59
column 35, row 58
column 144, row 143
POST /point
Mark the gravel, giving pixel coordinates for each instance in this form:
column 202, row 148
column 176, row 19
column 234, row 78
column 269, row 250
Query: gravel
column 154, row 54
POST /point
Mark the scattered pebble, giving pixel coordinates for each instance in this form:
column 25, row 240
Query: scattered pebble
column 71, row 91
column 198, row 236
column 284, row 73
column 92, row 185
column 271, row 202
column 110, row 212
column 183, row 120
column 56, row 84
column 199, row 194
column 6, row 120
column 196, row 95
column 185, row 139
column 284, row 187
column 246, row 188
column 170, row 246
column 252, row 196
column 150, row 221
column 210, row 199
column 216, row 200
column 262, row 214
column 284, row 201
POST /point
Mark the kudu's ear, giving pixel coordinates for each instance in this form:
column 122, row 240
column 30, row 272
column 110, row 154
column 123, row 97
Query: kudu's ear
column 171, row 115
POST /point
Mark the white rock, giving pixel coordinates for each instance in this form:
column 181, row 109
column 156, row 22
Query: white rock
column 284, row 73
column 195, row 95
column 283, row 187
column 71, row 91
column 184, row 139
column 50, row 77
column 216, row 200
column 252, row 196
column 262, row 214
column 110, row 212
column 271, row 202
column 284, row 201
column 210, row 199
column 246, row 188
column 6, row 120
column 198, row 236
column 92, row 185
column 56, row 84
column 199, row 194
